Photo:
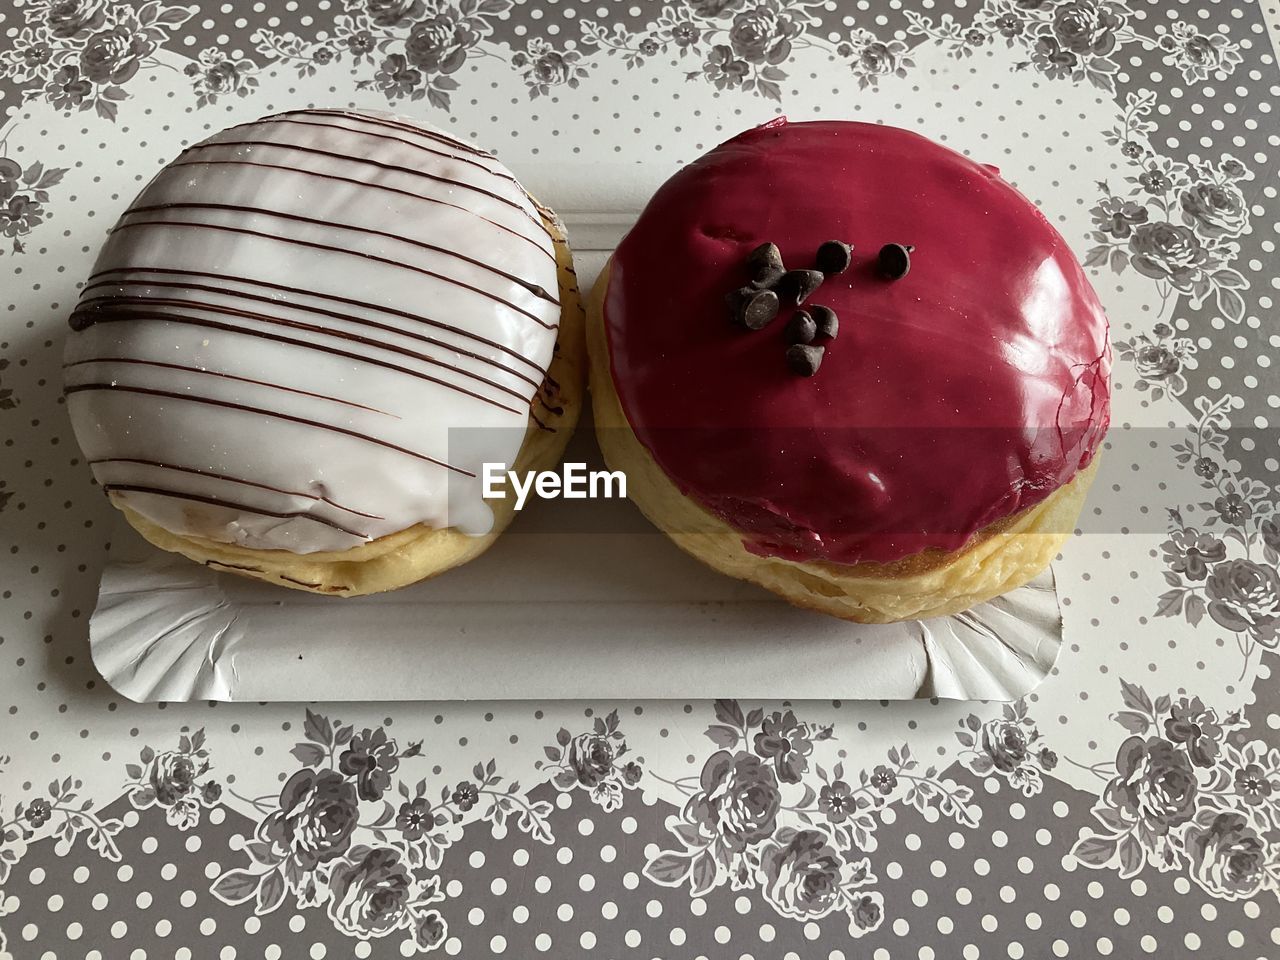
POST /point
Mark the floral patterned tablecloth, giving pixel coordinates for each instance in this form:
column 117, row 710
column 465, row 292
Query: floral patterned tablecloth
column 1130, row 805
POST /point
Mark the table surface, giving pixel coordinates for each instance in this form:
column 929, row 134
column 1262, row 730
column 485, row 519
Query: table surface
column 1131, row 804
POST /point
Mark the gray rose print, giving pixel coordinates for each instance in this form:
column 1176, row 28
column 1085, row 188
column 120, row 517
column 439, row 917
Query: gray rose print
column 24, row 194
column 1009, row 747
column 595, row 762
column 346, row 833
column 414, row 49
column 1177, row 226
column 1080, row 40
column 746, row 45
column 1159, row 358
column 173, row 781
column 543, row 67
column 215, row 74
column 958, row 39
column 80, row 54
column 1226, row 564
column 1184, row 796
column 439, row 42
column 1245, row 598
column 61, row 813
column 1198, row 55
column 1228, row 858
column 1181, row 230
column 872, row 58
column 763, row 814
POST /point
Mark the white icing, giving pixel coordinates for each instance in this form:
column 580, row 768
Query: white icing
column 368, row 459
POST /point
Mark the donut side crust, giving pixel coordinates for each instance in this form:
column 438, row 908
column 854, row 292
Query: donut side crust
column 1000, row 557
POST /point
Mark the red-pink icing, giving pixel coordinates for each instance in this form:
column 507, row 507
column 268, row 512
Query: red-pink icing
column 956, row 396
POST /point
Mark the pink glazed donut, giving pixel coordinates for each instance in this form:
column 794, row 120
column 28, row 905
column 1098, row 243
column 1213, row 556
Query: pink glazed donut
column 931, row 454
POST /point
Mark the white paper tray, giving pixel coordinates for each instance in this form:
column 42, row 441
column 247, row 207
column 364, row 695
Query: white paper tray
column 548, row 614
column 545, row 615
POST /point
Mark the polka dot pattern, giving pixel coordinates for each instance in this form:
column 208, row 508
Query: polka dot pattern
column 1006, row 888
column 72, row 905
column 991, row 901
column 999, row 900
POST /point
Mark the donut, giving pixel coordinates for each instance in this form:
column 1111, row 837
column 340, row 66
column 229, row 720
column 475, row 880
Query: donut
column 306, row 336
column 853, row 366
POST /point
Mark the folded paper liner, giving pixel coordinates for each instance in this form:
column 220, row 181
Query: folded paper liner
column 553, row 611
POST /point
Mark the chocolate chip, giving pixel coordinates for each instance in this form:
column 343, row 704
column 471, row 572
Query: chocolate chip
column 752, row 308
column 801, row 328
column 761, row 310
column 767, row 279
column 764, row 263
column 834, row 257
column 804, row 359
column 826, row 321
column 895, row 260
column 796, row 285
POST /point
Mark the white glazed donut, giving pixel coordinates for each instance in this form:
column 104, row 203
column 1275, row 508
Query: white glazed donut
column 310, row 331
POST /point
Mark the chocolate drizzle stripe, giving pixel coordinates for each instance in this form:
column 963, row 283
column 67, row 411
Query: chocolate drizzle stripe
column 239, row 480
column 324, row 246
column 109, row 315
column 192, row 398
column 227, row 376
column 245, row 566
column 394, row 124
column 392, row 167
column 127, row 298
column 119, row 303
column 280, row 576
column 294, row 119
column 548, row 405
column 533, row 288
column 363, row 183
column 171, row 271
column 228, row 504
